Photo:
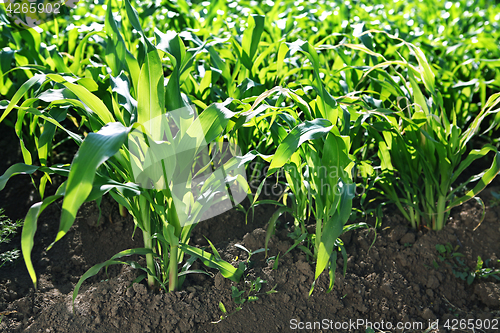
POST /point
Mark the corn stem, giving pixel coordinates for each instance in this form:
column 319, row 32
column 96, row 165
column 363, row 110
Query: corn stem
column 441, row 205
column 123, row 210
column 148, row 243
column 173, row 276
column 144, row 211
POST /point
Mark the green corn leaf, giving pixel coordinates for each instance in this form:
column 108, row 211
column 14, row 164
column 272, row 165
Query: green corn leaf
column 335, row 156
column 89, row 99
column 133, row 17
column 355, row 226
column 473, row 155
column 6, row 57
column 55, row 122
column 348, row 191
column 214, row 250
column 222, row 67
column 344, row 253
column 309, row 130
column 21, row 168
column 44, row 142
column 174, row 49
column 103, row 185
column 95, row 149
column 20, row 93
column 122, row 55
column 208, row 259
column 331, row 231
column 58, row 60
column 276, row 262
column 78, row 55
column 31, row 40
column 297, row 242
column 272, row 224
column 358, row 47
column 334, row 227
column 16, row 169
column 425, row 70
column 487, row 177
column 172, row 44
column 96, row 268
column 331, row 271
column 120, row 86
column 487, row 109
column 20, row 134
column 251, row 39
column 214, row 120
column 492, row 101
column 193, row 271
column 150, row 93
column 417, row 94
column 29, row 230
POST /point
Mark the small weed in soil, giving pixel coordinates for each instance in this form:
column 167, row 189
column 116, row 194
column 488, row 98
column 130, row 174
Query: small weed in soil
column 8, row 230
column 239, row 297
column 455, row 261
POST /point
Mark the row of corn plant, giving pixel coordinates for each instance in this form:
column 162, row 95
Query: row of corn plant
column 134, row 92
column 144, row 145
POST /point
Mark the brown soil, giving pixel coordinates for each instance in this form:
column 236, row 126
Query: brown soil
column 393, row 281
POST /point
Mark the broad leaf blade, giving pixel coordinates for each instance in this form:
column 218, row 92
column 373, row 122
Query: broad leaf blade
column 210, row 260
column 309, row 130
column 29, row 230
column 151, row 95
column 95, row 149
column 487, row 177
column 89, row 99
column 96, row 268
column 20, row 93
column 251, row 38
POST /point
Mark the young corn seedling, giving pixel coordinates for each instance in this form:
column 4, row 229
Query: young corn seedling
column 325, row 185
column 317, row 168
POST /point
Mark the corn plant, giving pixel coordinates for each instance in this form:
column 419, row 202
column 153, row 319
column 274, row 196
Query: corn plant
column 313, row 149
column 323, row 187
column 317, row 169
